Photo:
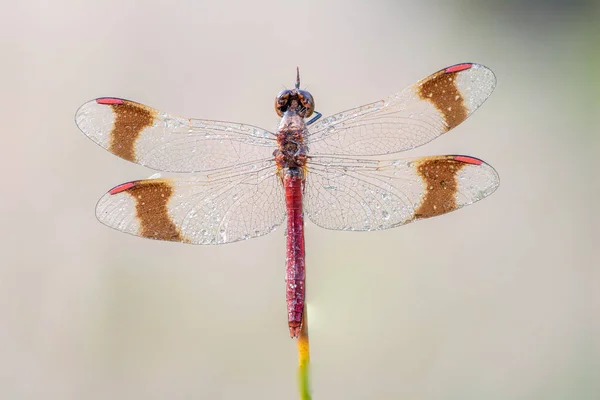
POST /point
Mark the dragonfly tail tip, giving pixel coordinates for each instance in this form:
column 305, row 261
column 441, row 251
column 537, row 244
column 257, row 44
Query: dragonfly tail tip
column 294, row 331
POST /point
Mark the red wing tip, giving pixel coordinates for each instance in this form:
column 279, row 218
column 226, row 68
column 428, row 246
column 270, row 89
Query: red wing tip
column 468, row 160
column 121, row 188
column 458, row 68
column 109, row 100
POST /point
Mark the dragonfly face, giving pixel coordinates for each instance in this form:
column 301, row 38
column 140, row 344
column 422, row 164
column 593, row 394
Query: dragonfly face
column 295, row 101
column 299, row 101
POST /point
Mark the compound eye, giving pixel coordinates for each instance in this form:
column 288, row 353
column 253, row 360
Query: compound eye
column 281, row 102
column 307, row 102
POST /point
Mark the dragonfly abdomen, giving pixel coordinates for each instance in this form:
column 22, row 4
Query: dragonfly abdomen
column 293, row 181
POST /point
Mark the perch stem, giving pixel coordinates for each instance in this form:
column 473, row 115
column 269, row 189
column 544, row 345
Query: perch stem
column 303, row 359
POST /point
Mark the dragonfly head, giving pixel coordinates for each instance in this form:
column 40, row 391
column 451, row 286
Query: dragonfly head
column 295, row 100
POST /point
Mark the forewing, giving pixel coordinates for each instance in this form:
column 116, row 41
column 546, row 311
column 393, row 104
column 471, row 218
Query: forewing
column 407, row 119
column 209, row 210
column 165, row 142
column 365, row 195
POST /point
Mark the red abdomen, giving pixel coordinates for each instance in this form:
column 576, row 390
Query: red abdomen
column 293, row 182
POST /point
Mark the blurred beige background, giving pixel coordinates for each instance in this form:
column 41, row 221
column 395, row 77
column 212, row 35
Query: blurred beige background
column 494, row 301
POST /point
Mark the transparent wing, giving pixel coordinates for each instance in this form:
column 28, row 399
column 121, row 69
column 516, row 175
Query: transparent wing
column 215, row 209
column 407, row 119
column 165, row 142
column 366, row 195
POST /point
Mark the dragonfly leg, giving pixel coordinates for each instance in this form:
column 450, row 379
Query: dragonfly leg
column 315, row 118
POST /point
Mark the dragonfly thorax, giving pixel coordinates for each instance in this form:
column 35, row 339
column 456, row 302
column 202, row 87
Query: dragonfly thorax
column 291, row 151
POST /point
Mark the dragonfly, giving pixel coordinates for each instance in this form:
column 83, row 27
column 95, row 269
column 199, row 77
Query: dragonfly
column 243, row 181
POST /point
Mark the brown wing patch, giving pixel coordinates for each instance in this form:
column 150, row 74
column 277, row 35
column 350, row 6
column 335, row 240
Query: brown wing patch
column 151, row 199
column 130, row 120
column 439, row 176
column 440, row 90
